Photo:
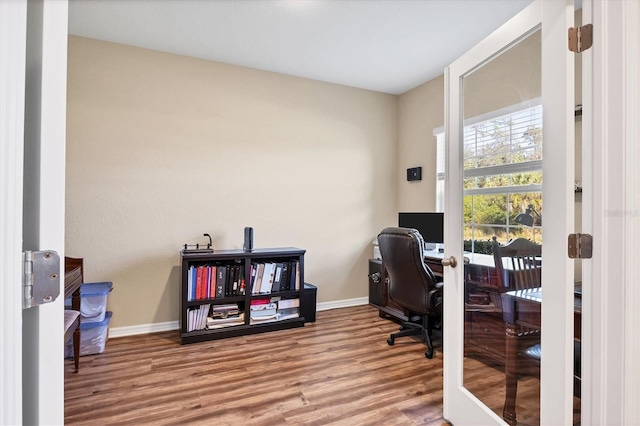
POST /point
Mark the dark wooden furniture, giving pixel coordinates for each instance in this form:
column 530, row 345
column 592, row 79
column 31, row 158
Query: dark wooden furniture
column 412, row 284
column 243, row 259
column 73, row 278
column 522, row 308
column 484, row 326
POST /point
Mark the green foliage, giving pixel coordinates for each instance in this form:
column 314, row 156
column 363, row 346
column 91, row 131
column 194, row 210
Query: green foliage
column 497, row 144
column 478, row 246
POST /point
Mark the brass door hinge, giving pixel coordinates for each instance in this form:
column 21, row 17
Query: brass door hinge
column 580, row 246
column 581, row 38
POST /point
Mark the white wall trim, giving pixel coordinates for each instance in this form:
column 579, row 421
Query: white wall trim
column 134, row 330
column 345, row 303
column 611, row 308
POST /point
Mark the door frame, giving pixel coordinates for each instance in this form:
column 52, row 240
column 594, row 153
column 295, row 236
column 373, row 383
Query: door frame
column 13, row 28
column 611, row 298
column 33, row 79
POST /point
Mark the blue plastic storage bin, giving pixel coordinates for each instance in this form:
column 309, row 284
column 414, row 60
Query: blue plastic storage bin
column 93, row 301
column 93, row 337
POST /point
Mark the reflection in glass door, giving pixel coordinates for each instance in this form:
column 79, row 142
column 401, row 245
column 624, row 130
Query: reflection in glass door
column 502, row 153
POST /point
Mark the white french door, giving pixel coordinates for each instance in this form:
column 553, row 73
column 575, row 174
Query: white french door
column 536, row 41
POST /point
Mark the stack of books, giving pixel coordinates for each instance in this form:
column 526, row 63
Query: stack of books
column 288, row 308
column 274, row 309
column 263, row 310
column 225, row 316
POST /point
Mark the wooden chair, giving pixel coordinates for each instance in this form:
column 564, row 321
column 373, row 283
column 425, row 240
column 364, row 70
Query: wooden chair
column 519, row 267
column 73, row 278
column 72, row 328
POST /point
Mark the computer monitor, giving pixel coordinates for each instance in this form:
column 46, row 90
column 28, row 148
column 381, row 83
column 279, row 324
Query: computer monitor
column 430, row 225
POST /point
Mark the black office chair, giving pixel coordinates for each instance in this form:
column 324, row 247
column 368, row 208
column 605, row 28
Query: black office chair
column 412, row 284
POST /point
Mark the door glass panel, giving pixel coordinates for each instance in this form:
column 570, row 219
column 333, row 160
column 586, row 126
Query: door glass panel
column 502, row 193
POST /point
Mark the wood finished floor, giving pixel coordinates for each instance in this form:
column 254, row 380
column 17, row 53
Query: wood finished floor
column 338, row 370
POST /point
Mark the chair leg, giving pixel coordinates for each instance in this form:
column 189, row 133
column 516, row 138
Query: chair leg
column 409, row 329
column 76, row 349
column 406, row 329
column 426, row 332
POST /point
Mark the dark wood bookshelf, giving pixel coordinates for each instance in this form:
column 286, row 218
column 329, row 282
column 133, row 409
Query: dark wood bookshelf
column 244, row 259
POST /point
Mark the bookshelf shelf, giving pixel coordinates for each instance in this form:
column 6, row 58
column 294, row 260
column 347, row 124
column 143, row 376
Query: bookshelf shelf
column 217, row 300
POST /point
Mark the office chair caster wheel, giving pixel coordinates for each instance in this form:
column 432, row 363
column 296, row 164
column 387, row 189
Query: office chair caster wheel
column 429, row 353
column 391, row 340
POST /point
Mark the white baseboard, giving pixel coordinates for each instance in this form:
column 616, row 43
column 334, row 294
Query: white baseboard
column 134, row 330
column 345, row 303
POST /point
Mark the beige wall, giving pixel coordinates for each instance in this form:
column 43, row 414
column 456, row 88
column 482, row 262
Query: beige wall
column 508, row 79
column 420, row 110
column 163, row 148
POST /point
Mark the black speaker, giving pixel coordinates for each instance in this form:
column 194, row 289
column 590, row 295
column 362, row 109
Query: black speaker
column 414, row 173
column 248, row 239
column 308, row 302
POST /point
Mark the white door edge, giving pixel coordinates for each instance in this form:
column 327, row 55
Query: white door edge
column 13, row 32
column 44, row 200
column 558, row 97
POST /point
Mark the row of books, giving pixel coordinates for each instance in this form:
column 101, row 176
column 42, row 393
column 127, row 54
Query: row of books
column 197, row 317
column 271, row 277
column 215, row 281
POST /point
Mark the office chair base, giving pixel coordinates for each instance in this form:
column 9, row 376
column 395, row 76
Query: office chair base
column 412, row 329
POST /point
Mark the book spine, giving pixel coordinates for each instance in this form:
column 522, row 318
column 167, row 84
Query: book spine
column 199, row 283
column 228, row 283
column 236, row 274
column 241, row 279
column 258, row 284
column 284, row 280
column 292, row 276
column 277, row 279
column 189, row 284
column 214, row 272
column 220, row 281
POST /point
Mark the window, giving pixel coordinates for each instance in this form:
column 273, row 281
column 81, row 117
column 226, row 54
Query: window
column 502, row 174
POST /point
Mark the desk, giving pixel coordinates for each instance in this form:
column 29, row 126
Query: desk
column 523, row 308
column 484, row 337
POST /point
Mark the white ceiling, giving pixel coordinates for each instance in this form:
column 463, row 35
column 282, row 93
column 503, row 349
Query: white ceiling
column 388, row 46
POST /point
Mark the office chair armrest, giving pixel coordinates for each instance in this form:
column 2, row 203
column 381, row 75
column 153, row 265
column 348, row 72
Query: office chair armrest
column 434, row 298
